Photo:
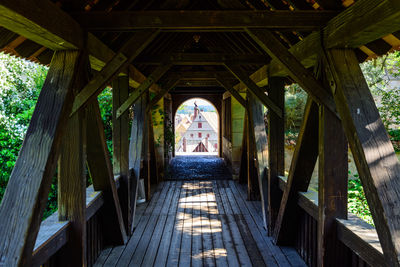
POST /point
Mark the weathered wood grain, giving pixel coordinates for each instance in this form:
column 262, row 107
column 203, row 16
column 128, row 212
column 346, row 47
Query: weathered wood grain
column 71, row 185
column 120, row 140
column 100, row 169
column 301, row 168
column 276, row 149
column 332, row 183
column 22, row 206
column 373, row 153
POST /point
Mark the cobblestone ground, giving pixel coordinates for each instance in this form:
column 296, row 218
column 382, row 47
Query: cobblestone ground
column 198, row 168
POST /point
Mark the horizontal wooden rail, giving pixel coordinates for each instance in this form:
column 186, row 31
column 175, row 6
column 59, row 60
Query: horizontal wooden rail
column 53, row 235
column 360, row 237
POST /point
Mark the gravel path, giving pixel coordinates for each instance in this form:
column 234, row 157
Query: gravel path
column 198, row 168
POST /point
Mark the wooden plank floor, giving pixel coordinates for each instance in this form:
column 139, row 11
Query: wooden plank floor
column 199, row 223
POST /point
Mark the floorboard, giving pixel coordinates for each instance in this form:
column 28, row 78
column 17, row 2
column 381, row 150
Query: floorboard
column 199, row 223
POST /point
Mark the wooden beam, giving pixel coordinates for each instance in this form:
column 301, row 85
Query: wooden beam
column 202, row 59
column 153, row 78
column 32, row 20
column 204, row 19
column 301, row 168
column 257, row 131
column 373, row 153
column 57, row 32
column 254, row 89
column 229, row 87
column 120, row 140
column 305, row 78
column 243, row 158
column 20, row 220
column 132, row 48
column 101, row 172
column 332, row 184
column 135, row 155
column 71, row 199
column 363, row 22
column 276, row 149
column 203, row 74
column 164, row 90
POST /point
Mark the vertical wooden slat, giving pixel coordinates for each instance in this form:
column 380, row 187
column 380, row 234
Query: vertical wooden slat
column 253, row 191
column 276, row 149
column 72, row 187
column 120, row 135
column 332, row 183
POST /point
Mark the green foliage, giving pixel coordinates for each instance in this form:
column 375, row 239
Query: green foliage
column 357, row 203
column 20, row 84
column 105, row 103
column 295, row 101
column 379, row 74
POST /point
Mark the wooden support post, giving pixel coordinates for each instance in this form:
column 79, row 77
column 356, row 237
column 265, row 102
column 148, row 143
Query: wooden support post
column 332, row 183
column 276, row 149
column 301, row 168
column 146, row 175
column 100, row 169
column 36, row 163
column 258, row 133
column 72, row 187
column 120, row 135
column 373, row 153
column 253, row 193
column 243, row 158
column 135, row 154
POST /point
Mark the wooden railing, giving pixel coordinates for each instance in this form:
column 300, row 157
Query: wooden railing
column 357, row 242
column 53, row 234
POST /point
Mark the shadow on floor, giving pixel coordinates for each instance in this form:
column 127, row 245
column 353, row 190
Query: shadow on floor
column 198, row 168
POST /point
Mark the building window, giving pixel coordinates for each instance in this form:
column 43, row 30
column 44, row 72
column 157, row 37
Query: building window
column 208, row 135
column 199, row 135
column 191, row 135
column 199, row 117
column 199, row 125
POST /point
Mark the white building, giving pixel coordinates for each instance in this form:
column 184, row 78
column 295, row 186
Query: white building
column 202, row 134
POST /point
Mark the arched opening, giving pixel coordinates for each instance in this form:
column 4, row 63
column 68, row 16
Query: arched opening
column 196, row 128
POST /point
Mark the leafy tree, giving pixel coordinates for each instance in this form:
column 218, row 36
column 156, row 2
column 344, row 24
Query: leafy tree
column 20, row 85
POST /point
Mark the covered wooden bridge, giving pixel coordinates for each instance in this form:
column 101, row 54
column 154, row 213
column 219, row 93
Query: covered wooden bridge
column 239, row 55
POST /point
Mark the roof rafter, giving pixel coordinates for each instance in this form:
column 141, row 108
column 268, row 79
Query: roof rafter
column 133, row 20
column 59, row 31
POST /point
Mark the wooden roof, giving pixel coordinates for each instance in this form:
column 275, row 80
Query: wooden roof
column 113, row 22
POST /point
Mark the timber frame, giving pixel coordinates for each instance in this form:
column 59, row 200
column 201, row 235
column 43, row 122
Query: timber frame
column 156, row 53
